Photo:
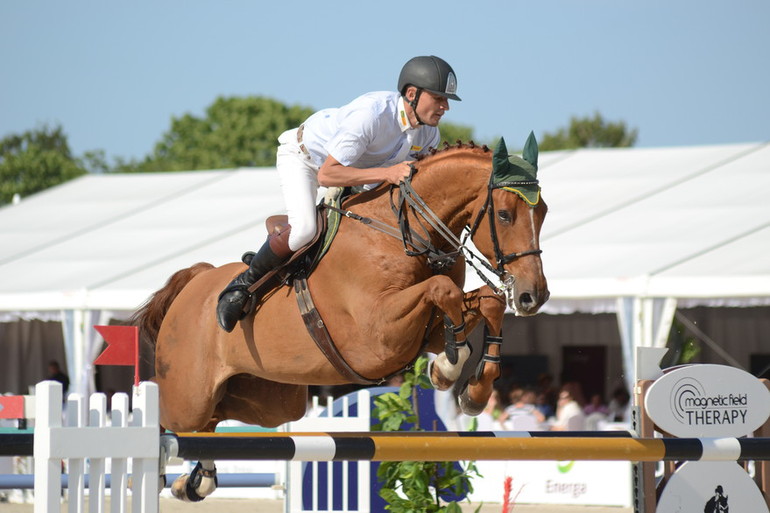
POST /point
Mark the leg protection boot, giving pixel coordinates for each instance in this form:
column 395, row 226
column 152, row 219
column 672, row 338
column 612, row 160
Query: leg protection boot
column 233, row 299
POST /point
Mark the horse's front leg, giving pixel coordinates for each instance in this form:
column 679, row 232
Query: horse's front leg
column 407, row 310
column 445, row 370
column 483, row 304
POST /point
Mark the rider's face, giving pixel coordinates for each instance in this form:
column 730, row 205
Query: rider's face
column 430, row 107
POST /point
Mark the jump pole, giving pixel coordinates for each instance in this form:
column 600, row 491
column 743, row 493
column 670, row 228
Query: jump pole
column 454, row 446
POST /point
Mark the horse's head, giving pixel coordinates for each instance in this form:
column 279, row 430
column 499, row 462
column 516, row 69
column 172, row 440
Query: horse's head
column 507, row 227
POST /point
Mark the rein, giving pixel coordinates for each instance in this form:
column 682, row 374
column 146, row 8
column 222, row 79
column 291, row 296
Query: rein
column 418, row 245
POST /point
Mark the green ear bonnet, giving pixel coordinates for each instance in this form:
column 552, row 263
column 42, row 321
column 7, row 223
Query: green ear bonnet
column 517, row 174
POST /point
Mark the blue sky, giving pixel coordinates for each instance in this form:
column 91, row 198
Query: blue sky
column 113, row 74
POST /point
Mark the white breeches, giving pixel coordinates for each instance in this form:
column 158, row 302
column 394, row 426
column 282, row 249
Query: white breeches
column 299, row 185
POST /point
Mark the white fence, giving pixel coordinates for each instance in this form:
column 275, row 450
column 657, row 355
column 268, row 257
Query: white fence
column 127, row 443
column 130, row 442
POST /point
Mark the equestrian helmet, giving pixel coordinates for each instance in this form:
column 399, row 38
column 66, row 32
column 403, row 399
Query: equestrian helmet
column 430, row 73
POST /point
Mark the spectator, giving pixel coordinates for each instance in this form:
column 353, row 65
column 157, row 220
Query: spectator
column 523, row 404
column 489, row 419
column 596, row 406
column 618, row 407
column 544, row 406
column 569, row 409
column 550, row 394
column 55, row 374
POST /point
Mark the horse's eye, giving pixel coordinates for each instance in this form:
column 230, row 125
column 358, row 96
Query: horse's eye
column 504, row 216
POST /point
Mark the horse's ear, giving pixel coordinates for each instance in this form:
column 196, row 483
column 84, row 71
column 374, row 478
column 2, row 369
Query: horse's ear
column 530, row 150
column 500, row 156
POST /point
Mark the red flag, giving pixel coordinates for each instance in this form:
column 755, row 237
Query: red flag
column 12, row 407
column 122, row 347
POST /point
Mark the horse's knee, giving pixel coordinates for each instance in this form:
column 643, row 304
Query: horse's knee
column 445, row 294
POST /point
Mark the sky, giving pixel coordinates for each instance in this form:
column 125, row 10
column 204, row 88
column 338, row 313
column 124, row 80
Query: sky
column 114, row 74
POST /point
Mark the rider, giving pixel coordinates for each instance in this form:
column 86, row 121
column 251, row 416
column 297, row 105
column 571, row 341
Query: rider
column 366, row 142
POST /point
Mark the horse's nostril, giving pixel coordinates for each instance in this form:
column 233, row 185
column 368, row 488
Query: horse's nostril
column 525, row 299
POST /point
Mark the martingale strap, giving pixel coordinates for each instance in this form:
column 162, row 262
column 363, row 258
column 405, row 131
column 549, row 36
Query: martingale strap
column 320, row 335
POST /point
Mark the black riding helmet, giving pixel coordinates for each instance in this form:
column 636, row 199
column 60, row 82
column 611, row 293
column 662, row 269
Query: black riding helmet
column 431, row 73
column 428, row 73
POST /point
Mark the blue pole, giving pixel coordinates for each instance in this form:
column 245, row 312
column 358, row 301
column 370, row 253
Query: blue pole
column 234, row 480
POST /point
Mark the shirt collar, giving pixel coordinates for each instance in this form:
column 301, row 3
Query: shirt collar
column 403, row 118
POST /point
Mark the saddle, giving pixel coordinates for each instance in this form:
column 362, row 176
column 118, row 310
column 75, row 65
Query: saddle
column 296, row 271
column 304, row 260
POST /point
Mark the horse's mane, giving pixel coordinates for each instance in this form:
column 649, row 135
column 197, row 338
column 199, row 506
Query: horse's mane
column 459, row 145
column 435, row 158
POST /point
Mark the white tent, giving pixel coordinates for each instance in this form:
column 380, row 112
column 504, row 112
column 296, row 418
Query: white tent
column 631, row 231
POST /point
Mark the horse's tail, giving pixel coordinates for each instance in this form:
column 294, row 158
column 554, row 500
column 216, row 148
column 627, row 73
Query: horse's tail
column 150, row 316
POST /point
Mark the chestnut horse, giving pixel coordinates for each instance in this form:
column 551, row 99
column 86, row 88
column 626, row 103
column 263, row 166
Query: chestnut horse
column 379, row 299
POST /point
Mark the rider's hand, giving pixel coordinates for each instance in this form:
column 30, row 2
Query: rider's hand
column 398, row 173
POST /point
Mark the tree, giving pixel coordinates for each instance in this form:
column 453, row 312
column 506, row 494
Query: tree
column 589, row 132
column 35, row 160
column 234, row 132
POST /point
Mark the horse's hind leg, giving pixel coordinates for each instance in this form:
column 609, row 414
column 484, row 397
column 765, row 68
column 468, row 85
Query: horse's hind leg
column 249, row 399
column 201, row 481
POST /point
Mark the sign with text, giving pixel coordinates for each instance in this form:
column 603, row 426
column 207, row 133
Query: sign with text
column 596, row 483
column 708, row 401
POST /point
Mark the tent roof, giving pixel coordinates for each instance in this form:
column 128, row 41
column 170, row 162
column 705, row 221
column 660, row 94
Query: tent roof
column 689, row 222
column 675, row 222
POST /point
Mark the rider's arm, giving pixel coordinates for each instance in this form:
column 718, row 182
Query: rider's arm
column 334, row 174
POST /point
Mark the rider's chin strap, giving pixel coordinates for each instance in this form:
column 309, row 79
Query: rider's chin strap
column 413, row 104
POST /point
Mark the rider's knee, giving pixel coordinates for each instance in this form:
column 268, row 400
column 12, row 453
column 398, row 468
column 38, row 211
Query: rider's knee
column 301, row 234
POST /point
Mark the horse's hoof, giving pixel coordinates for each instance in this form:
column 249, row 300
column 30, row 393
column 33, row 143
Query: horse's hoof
column 437, row 379
column 179, row 488
column 467, row 405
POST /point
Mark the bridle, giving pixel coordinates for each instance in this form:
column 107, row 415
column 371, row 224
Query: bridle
column 489, row 209
column 439, row 260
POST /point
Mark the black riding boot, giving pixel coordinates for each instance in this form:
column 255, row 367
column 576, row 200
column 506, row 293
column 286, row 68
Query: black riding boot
column 233, row 299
